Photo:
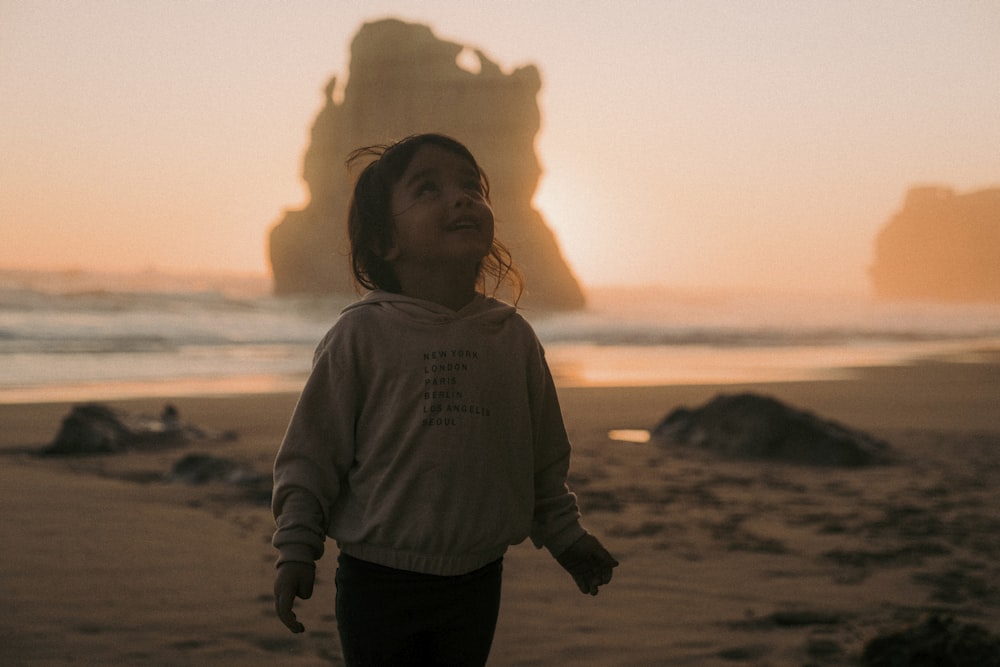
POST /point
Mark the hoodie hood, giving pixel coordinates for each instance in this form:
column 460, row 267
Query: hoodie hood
column 482, row 309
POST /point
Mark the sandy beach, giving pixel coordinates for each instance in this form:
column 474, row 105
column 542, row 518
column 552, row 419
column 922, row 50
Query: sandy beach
column 106, row 561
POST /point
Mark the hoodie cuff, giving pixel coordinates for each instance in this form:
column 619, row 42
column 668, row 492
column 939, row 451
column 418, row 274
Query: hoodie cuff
column 564, row 539
column 296, row 553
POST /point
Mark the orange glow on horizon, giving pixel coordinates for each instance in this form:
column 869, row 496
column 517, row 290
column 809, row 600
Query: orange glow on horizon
column 694, row 145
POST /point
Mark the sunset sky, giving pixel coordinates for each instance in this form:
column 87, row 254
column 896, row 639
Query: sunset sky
column 757, row 144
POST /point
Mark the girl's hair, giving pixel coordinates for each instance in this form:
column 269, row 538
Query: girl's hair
column 370, row 224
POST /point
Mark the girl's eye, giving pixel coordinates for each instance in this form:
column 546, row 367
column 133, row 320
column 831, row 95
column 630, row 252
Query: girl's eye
column 474, row 188
column 427, row 188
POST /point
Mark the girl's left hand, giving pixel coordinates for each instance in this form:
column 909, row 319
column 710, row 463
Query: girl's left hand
column 589, row 563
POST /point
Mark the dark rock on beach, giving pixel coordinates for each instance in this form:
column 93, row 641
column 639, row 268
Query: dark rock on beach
column 204, row 468
column 759, row 427
column 198, row 469
column 95, row 428
column 937, row 642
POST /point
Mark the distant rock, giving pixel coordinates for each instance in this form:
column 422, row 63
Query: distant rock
column 941, row 246
column 750, row 426
column 95, row 428
column 404, row 80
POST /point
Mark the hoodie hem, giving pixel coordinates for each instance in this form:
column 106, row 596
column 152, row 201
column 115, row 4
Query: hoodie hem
column 437, row 564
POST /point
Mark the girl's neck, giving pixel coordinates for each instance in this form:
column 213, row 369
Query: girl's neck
column 444, row 289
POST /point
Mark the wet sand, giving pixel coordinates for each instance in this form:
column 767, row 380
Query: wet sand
column 722, row 562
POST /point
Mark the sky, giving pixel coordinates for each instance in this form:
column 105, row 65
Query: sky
column 687, row 144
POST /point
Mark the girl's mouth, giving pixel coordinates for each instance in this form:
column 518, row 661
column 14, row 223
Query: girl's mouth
column 465, row 222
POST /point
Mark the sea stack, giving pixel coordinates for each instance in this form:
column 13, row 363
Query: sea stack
column 403, row 80
column 941, row 246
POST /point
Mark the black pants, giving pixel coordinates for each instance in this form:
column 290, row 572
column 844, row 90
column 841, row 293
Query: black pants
column 388, row 617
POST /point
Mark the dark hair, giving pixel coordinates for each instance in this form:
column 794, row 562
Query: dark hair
column 370, row 225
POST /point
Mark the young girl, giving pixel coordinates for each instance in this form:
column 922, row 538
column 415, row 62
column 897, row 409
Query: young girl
column 428, row 437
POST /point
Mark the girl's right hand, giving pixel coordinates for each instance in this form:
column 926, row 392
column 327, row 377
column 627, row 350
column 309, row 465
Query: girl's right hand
column 589, row 563
column 292, row 580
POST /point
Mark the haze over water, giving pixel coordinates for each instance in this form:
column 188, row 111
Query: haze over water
column 82, row 336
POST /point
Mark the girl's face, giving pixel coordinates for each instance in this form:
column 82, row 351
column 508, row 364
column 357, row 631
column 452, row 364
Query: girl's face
column 440, row 212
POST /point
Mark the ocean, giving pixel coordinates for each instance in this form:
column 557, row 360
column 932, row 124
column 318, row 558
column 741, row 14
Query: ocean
column 80, row 336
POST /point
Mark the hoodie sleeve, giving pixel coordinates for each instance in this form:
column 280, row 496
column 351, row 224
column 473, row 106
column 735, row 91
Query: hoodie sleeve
column 556, row 523
column 315, row 456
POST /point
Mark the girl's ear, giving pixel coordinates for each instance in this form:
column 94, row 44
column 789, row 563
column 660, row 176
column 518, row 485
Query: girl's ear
column 390, row 254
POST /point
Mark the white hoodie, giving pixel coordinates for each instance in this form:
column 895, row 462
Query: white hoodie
column 426, row 440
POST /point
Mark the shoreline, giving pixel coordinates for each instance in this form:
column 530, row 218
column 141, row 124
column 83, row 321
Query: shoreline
column 169, row 389
column 947, row 390
column 572, row 368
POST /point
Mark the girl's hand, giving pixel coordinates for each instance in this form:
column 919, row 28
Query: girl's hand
column 589, row 563
column 292, row 580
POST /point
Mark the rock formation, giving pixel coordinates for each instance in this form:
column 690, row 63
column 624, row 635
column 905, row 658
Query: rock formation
column 941, row 246
column 748, row 426
column 404, row 80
